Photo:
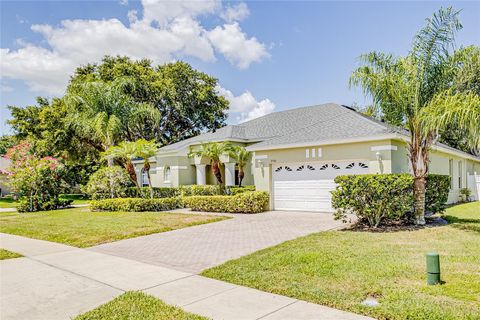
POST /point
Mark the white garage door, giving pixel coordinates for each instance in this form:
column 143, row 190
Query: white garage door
column 306, row 187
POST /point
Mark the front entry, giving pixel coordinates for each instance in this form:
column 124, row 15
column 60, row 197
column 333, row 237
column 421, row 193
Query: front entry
column 307, row 186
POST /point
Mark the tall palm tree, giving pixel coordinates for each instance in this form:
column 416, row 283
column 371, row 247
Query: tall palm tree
column 126, row 151
column 213, row 151
column 241, row 156
column 145, row 150
column 102, row 112
column 402, row 87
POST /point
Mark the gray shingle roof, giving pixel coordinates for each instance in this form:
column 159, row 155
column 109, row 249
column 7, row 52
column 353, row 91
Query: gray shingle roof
column 318, row 123
column 313, row 123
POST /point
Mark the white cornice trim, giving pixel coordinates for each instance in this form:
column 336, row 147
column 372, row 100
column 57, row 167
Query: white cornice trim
column 387, row 147
column 324, row 143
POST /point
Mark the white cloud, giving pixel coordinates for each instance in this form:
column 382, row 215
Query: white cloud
column 246, row 107
column 5, row 88
column 235, row 13
column 233, row 43
column 123, row 2
column 164, row 31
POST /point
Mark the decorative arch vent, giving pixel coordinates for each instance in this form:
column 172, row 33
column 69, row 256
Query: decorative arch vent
column 309, row 167
column 362, row 165
column 301, row 168
column 334, row 166
column 278, row 169
column 350, row 166
column 324, row 167
column 288, row 168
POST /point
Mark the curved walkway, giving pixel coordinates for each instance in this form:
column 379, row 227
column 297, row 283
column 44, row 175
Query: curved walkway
column 201, row 247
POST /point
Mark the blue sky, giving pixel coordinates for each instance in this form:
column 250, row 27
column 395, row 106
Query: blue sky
column 268, row 56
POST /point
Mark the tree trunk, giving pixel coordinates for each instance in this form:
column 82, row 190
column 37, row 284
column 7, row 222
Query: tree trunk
column 216, row 172
column 110, row 161
column 418, row 153
column 146, row 168
column 241, row 174
column 419, row 187
column 131, row 172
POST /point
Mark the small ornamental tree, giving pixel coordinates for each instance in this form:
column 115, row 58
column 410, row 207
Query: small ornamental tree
column 108, row 182
column 37, row 181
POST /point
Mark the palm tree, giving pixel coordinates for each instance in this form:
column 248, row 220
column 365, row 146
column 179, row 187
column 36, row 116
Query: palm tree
column 126, row 151
column 145, row 150
column 402, row 87
column 241, row 156
column 103, row 112
column 213, row 151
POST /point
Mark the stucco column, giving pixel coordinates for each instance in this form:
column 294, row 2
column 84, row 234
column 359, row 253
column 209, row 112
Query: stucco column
column 229, row 173
column 201, row 174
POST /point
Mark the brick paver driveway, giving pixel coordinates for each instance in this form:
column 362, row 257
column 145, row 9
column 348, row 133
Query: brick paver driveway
column 201, row 247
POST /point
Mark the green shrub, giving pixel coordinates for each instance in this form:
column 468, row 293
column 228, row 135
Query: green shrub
column 373, row 197
column 436, row 195
column 144, row 192
column 108, row 182
column 74, row 196
column 25, row 205
column 234, row 190
column 246, row 202
column 135, row 204
column 198, row 190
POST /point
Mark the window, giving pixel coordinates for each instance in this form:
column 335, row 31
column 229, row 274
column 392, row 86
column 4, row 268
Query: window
column 307, row 153
column 450, row 172
column 313, row 153
column 460, row 174
column 166, row 174
column 144, row 178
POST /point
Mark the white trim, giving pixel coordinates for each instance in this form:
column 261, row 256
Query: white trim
column 319, row 152
column 384, row 148
column 179, row 167
column 325, row 143
column 261, row 157
column 152, row 159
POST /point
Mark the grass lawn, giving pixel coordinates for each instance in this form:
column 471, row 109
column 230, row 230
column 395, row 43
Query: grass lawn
column 137, row 306
column 341, row 268
column 7, row 202
column 81, row 228
column 5, row 254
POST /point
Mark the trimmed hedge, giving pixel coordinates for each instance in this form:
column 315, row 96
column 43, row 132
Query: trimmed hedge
column 197, row 190
column 377, row 197
column 246, row 202
column 135, row 204
column 436, row 195
column 234, row 190
column 54, row 204
column 144, row 192
column 373, row 197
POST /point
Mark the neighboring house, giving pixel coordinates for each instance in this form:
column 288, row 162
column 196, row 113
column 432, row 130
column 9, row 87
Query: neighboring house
column 297, row 154
column 4, row 164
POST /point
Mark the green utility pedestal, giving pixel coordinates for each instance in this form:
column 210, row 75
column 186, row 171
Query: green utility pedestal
column 433, row 268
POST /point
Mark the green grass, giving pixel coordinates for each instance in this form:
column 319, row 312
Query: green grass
column 341, row 268
column 137, row 306
column 81, row 228
column 7, row 202
column 5, row 254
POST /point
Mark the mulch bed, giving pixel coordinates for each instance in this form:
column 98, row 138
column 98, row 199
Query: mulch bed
column 395, row 226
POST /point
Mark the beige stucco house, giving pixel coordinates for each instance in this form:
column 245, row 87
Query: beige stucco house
column 297, row 153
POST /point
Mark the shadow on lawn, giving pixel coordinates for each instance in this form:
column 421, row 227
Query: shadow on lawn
column 464, row 224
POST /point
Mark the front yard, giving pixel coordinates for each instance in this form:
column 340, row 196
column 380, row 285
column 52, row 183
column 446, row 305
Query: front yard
column 81, row 228
column 342, row 268
column 5, row 254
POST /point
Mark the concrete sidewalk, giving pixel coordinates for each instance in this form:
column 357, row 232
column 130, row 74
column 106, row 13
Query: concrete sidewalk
column 55, row 281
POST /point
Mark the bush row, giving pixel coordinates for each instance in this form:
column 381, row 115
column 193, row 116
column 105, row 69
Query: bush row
column 135, row 204
column 246, row 202
column 164, row 192
column 234, row 190
column 26, row 204
column 374, row 198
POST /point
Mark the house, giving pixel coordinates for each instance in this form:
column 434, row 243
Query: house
column 4, row 164
column 297, row 153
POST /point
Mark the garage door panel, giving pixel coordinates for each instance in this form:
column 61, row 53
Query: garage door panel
column 307, row 187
